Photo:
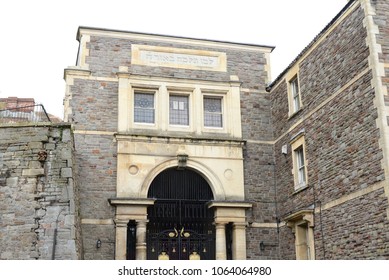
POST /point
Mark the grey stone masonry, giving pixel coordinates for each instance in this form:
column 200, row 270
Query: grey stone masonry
column 343, row 157
column 39, row 197
column 94, row 114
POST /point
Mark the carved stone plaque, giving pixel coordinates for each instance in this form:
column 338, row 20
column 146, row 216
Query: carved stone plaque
column 178, row 58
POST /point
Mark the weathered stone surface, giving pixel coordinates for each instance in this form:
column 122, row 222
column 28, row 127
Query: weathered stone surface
column 31, row 206
column 33, row 172
column 67, row 172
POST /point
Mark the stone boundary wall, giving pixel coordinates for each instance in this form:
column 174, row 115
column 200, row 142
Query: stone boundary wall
column 38, row 194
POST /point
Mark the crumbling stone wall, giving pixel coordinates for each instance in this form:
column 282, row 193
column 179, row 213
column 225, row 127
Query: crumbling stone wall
column 38, row 193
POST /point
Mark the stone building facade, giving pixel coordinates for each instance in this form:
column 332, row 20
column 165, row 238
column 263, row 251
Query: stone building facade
column 147, row 106
column 291, row 168
column 186, row 149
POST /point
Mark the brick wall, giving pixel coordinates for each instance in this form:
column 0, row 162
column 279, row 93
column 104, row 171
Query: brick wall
column 38, row 193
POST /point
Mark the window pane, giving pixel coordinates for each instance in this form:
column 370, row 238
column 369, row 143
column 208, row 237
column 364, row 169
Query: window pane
column 144, row 107
column 213, row 112
column 296, row 102
column 300, row 166
column 179, row 110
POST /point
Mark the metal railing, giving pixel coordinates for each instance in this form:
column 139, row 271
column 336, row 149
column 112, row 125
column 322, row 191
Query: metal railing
column 26, row 114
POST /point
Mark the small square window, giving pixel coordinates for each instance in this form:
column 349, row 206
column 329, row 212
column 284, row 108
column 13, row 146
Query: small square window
column 179, row 110
column 144, row 111
column 213, row 116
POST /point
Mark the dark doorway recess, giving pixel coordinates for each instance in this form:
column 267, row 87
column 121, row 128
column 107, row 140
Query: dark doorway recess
column 180, row 224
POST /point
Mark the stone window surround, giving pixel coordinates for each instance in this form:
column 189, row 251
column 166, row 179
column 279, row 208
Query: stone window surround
column 190, row 93
column 291, row 76
column 229, row 92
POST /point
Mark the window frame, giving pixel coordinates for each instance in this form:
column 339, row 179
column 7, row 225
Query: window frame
column 221, row 113
column 148, row 92
column 295, row 97
column 292, row 79
column 300, row 163
column 189, row 110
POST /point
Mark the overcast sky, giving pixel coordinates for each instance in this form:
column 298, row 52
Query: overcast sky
column 38, row 37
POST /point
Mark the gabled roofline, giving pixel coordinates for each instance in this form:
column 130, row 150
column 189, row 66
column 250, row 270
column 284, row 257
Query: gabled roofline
column 317, row 37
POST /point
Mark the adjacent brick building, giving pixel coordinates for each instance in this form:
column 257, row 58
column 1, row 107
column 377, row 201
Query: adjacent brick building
column 185, row 148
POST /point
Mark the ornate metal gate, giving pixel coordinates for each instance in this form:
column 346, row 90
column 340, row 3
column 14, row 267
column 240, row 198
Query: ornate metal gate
column 180, row 224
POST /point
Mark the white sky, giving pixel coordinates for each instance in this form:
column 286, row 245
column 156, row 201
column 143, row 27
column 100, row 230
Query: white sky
column 38, row 37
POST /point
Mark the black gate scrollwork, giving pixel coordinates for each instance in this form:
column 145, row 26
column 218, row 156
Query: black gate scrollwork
column 180, row 244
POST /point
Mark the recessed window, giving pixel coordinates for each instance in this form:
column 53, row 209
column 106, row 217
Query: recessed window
column 144, row 109
column 213, row 116
column 179, row 110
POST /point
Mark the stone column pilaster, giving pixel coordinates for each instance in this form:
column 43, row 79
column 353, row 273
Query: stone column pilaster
column 121, row 240
column 141, row 249
column 221, row 250
column 239, row 241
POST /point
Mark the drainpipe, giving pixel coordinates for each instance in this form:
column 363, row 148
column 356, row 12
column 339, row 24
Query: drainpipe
column 55, row 235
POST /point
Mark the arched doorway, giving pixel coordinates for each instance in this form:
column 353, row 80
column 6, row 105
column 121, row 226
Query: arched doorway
column 180, row 223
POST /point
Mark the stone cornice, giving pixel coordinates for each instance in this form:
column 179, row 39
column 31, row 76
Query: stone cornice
column 230, row 204
column 103, row 32
column 175, row 137
column 131, row 201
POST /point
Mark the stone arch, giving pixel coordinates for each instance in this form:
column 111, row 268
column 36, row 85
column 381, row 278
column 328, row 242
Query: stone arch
column 212, row 179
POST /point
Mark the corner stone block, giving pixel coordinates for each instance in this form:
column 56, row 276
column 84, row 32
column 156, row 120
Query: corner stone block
column 66, row 153
column 66, row 135
column 66, row 172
